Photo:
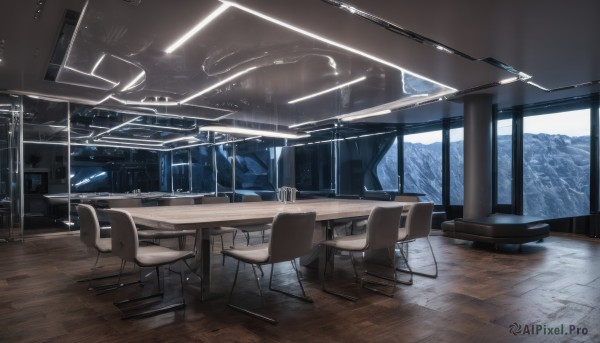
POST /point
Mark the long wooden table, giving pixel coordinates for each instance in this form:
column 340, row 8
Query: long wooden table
column 206, row 216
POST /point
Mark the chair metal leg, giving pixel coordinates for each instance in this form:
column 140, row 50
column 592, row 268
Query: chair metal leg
column 241, row 309
column 421, row 273
column 353, row 266
column 323, row 282
column 392, row 257
column 304, row 297
column 154, row 311
column 405, row 258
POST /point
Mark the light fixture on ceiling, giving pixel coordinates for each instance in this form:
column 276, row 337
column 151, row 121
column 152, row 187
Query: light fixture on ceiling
column 246, row 131
column 365, row 115
column 206, row 90
column 538, row 86
column 197, row 28
column 97, row 63
column 302, row 124
column 133, row 82
column 145, row 103
column 329, row 41
column 39, row 8
column 509, row 80
column 92, row 75
column 327, row 90
column 118, row 126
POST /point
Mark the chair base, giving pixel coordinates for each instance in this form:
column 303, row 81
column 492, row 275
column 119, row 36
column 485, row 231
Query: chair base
column 254, row 314
column 154, row 312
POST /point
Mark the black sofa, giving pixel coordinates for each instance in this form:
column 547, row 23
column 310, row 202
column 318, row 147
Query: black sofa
column 498, row 229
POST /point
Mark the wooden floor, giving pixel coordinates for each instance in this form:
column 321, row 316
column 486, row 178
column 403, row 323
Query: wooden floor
column 479, row 293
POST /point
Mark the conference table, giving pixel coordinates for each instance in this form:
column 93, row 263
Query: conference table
column 203, row 217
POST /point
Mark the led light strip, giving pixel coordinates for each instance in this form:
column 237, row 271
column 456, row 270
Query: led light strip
column 245, row 131
column 206, row 90
column 327, row 90
column 118, row 126
column 366, row 115
column 133, row 82
column 197, row 28
column 92, row 75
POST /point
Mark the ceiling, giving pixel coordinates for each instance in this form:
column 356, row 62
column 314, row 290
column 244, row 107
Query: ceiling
column 245, row 66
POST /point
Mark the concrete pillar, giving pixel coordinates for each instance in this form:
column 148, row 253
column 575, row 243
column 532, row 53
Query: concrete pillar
column 478, row 155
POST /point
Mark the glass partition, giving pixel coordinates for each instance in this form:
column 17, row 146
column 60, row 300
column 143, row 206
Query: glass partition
column 387, row 168
column 10, row 175
column 45, row 158
column 556, row 164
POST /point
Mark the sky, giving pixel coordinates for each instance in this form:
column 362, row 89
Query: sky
column 571, row 123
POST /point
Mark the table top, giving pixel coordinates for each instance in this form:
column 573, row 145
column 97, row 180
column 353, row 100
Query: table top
column 109, row 196
column 247, row 213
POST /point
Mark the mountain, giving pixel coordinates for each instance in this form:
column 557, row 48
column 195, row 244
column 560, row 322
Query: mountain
column 556, row 173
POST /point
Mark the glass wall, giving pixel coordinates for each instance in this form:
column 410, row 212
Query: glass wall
column 423, row 164
column 504, row 162
column 45, row 159
column 556, row 164
column 180, row 168
column 313, row 164
column 387, row 168
column 10, row 175
column 457, row 163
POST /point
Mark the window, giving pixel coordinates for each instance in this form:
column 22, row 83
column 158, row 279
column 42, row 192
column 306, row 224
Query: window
column 423, row 164
column 504, row 161
column 387, row 168
column 556, row 164
column 457, row 162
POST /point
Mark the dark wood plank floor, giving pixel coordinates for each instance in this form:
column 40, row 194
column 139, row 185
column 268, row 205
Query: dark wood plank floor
column 479, row 293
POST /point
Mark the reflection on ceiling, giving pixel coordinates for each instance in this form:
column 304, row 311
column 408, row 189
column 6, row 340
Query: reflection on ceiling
column 208, row 68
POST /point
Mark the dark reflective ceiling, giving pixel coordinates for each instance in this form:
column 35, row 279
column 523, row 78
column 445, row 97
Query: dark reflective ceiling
column 245, row 66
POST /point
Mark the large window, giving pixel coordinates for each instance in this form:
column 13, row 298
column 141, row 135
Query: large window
column 556, row 164
column 387, row 168
column 457, row 163
column 423, row 164
column 504, row 162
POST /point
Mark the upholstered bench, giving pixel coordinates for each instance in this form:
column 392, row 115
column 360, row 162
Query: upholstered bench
column 497, row 228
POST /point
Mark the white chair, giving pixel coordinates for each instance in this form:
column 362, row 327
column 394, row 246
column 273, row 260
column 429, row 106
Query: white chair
column 381, row 233
column 126, row 246
column 219, row 231
column 150, row 234
column 291, row 237
column 247, row 229
column 418, row 225
column 89, row 234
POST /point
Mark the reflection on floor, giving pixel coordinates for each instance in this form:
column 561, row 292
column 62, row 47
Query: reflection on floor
column 479, row 294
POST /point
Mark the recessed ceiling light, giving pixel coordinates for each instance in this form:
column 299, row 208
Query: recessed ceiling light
column 246, row 131
column 197, row 28
column 133, row 82
column 366, row 115
column 206, row 90
column 327, row 90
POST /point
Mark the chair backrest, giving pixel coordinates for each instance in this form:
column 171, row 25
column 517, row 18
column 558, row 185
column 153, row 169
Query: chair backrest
column 382, row 227
column 418, row 220
column 176, row 201
column 124, row 236
column 89, row 228
column 251, row 198
column 291, row 236
column 215, row 200
column 124, row 202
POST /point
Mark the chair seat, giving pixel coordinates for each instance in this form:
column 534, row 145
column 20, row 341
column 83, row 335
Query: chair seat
column 351, row 243
column 155, row 255
column 160, row 234
column 254, row 254
column 104, row 245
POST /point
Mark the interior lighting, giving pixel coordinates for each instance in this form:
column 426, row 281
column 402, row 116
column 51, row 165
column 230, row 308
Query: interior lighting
column 197, row 28
column 245, row 131
column 327, row 90
column 206, row 90
column 366, row 115
column 134, row 81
